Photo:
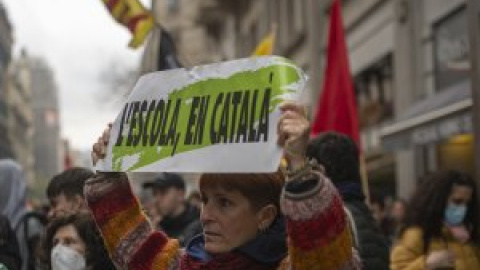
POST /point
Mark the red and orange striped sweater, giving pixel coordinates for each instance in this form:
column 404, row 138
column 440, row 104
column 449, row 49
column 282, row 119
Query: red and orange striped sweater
column 318, row 236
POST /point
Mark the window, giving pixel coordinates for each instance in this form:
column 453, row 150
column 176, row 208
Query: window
column 374, row 92
column 451, row 50
column 172, row 6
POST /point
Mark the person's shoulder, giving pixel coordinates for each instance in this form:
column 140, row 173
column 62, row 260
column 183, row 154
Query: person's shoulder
column 355, row 205
column 192, row 211
column 409, row 242
column 194, row 224
column 361, row 213
column 412, row 236
column 413, row 232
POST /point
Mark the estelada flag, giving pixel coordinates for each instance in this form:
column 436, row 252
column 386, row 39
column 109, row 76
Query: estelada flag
column 336, row 109
column 265, row 47
column 133, row 15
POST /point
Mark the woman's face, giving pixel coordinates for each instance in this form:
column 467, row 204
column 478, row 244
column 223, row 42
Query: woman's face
column 68, row 236
column 228, row 219
column 460, row 195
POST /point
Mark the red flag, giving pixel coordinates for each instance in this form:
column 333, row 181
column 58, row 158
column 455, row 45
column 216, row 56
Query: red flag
column 336, row 110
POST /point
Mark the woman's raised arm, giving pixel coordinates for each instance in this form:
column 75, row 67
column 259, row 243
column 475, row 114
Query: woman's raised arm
column 316, row 222
column 127, row 233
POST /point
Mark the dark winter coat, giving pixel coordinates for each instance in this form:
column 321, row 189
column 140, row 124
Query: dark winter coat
column 372, row 244
column 184, row 226
column 9, row 252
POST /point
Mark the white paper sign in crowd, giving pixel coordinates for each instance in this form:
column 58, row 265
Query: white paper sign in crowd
column 213, row 118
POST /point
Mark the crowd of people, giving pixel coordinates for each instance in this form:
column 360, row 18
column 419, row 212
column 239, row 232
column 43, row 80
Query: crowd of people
column 312, row 214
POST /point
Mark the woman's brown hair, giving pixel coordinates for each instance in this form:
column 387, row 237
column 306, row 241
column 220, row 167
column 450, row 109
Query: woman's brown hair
column 261, row 189
column 96, row 255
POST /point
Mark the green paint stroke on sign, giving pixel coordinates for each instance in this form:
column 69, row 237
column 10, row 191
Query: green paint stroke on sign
column 207, row 112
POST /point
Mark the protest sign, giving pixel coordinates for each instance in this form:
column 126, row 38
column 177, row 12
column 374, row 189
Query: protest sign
column 213, row 118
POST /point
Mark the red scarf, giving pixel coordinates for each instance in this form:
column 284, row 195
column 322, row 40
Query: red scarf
column 229, row 261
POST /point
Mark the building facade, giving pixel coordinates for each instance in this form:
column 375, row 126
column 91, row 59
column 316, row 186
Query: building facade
column 408, row 58
column 301, row 36
column 410, row 61
column 433, row 102
column 46, row 138
column 6, row 41
column 183, row 21
column 20, row 114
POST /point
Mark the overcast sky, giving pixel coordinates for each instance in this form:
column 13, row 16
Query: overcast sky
column 79, row 40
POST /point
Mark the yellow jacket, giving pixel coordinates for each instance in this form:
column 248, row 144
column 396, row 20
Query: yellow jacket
column 408, row 254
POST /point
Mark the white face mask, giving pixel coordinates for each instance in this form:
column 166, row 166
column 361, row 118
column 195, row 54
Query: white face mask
column 65, row 258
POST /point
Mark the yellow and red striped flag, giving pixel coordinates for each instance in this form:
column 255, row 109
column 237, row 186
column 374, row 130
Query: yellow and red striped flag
column 133, row 15
column 265, row 47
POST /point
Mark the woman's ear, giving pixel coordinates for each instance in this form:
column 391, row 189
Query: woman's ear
column 79, row 202
column 266, row 215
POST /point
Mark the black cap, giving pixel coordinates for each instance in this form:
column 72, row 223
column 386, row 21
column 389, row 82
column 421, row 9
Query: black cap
column 166, row 180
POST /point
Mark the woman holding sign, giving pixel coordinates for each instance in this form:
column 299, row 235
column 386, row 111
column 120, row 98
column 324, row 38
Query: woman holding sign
column 243, row 215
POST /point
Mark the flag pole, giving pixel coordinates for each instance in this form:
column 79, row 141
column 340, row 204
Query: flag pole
column 364, row 178
column 273, row 29
column 154, row 13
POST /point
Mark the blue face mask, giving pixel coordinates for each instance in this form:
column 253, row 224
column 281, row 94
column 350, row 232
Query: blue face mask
column 454, row 214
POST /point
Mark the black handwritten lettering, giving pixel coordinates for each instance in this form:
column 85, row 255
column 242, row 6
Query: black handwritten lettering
column 191, row 121
column 237, row 96
column 133, row 122
column 263, row 120
column 157, row 122
column 202, row 115
column 223, row 129
column 251, row 128
column 213, row 134
column 139, row 129
column 163, row 136
column 147, row 124
column 120, row 131
column 172, row 136
column 243, row 121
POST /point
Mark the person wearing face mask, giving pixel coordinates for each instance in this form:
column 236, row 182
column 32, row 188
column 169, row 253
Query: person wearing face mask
column 73, row 242
column 440, row 229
